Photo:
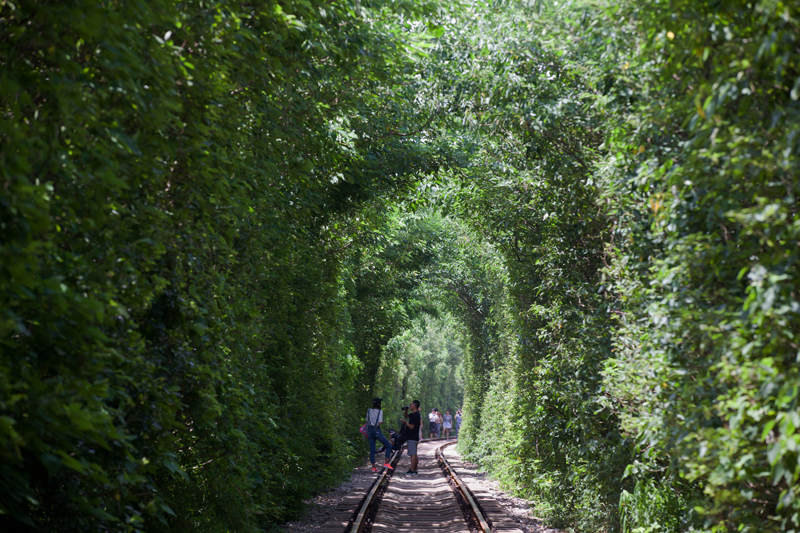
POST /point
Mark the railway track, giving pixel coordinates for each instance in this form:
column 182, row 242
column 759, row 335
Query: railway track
column 436, row 500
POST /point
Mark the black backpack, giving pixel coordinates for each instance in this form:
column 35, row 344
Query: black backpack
column 401, row 438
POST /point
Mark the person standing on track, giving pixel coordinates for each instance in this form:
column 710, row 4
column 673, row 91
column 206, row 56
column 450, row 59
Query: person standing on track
column 374, row 421
column 439, row 421
column 432, row 422
column 412, row 422
column 458, row 421
column 448, row 424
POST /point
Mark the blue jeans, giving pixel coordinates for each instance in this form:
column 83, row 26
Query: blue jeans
column 374, row 433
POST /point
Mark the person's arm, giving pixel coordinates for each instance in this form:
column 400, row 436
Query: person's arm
column 409, row 426
column 405, row 420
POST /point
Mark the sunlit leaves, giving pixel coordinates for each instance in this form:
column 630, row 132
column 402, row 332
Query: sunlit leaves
column 179, row 184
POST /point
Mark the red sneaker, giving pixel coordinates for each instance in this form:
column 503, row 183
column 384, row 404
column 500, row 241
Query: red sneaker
column 387, row 465
column 374, row 469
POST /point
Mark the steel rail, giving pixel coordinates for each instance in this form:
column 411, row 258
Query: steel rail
column 361, row 517
column 485, row 527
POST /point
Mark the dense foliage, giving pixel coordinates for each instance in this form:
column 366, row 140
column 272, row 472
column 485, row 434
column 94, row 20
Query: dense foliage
column 424, row 362
column 226, row 226
column 180, row 183
column 537, row 327
column 636, row 167
column 704, row 182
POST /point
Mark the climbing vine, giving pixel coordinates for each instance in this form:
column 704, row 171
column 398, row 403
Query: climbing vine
column 226, row 226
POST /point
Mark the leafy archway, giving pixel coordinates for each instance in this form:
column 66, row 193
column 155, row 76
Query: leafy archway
column 220, row 220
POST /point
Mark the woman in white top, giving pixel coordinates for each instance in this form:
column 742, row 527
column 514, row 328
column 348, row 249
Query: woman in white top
column 374, row 421
column 448, row 424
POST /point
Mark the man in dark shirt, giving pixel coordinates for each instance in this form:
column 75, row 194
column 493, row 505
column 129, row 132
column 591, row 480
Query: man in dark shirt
column 412, row 421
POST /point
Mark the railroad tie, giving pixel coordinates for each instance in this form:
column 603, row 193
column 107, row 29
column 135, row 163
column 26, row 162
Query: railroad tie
column 493, row 511
column 414, row 504
column 433, row 501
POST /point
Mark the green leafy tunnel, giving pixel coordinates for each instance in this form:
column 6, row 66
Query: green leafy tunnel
column 226, row 226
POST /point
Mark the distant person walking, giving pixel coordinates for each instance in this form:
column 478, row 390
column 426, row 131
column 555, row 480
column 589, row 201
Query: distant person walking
column 439, row 421
column 448, row 424
column 432, row 423
column 374, row 421
column 458, row 421
column 412, row 422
